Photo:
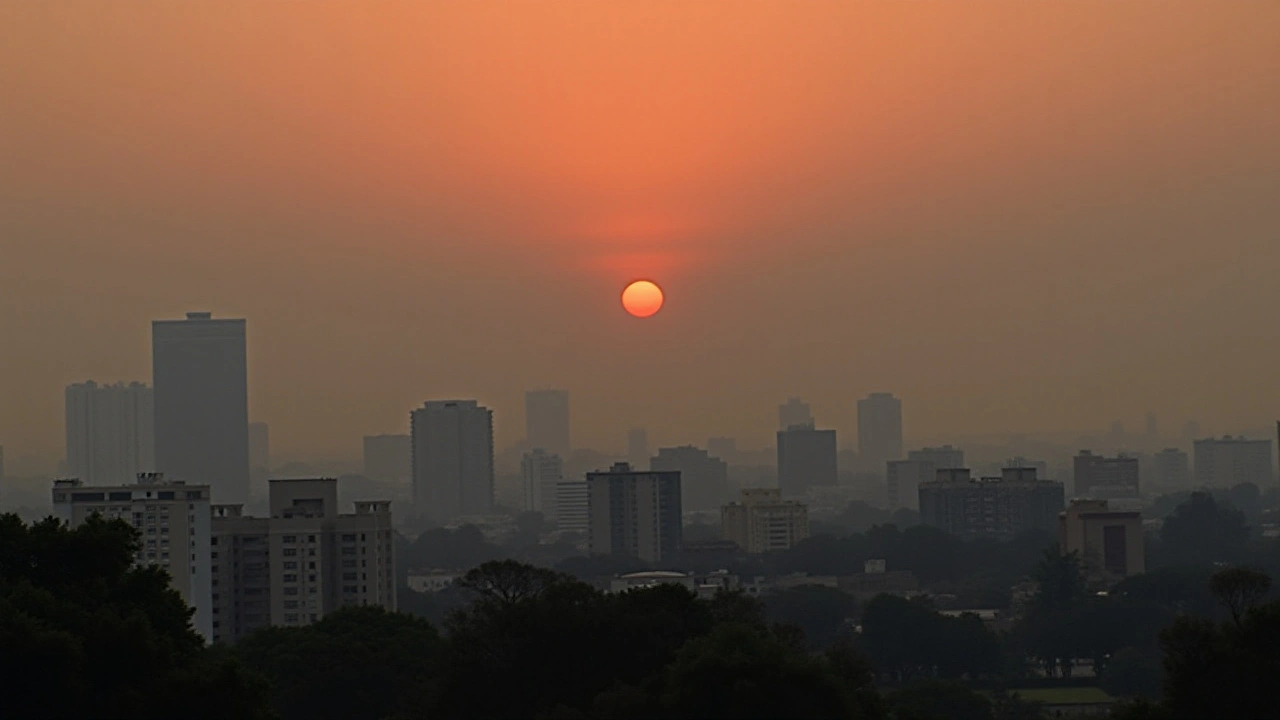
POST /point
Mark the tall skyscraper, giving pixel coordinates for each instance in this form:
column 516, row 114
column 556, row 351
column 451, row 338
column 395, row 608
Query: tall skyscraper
column 452, row 459
column 388, row 457
column 199, row 373
column 541, row 472
column 634, row 513
column 879, row 431
column 704, row 480
column 806, row 458
column 638, row 448
column 794, row 413
column 110, row 432
column 1228, row 461
column 546, row 421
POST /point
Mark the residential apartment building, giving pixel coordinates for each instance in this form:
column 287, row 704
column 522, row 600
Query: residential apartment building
column 573, row 507
column 1096, row 476
column 879, row 431
column 806, row 459
column 172, row 519
column 1228, row 461
column 994, row 507
column 541, row 471
column 943, row 457
column 761, row 521
column 1167, row 471
column 301, row 563
column 546, row 421
column 110, row 431
column 635, row 513
column 794, row 413
column 1109, row 543
column 704, row 480
column 903, row 479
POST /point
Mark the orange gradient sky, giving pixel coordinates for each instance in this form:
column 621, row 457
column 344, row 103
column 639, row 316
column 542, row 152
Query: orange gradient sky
column 1015, row 215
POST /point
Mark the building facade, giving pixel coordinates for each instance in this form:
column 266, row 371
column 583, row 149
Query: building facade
column 1168, row 470
column 1228, row 461
column 546, row 421
column 1109, row 543
column 794, row 413
column 110, row 432
column 879, row 431
column 452, row 459
column 573, row 507
column 943, row 457
column 301, row 563
column 903, row 479
column 997, row 508
column 541, row 472
column 761, row 521
column 806, row 459
column 636, row 513
column 704, row 480
column 200, row 376
column 1096, row 476
column 173, row 522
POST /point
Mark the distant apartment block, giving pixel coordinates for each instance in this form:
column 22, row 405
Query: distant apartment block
column 172, row 520
column 541, row 471
column 638, row 448
column 1168, row 470
column 546, row 418
column 110, row 432
column 1096, row 476
column 903, row 479
column 806, row 459
column 634, row 513
column 725, row 448
column 573, row 507
column 943, row 457
column 301, row 563
column 761, row 521
column 704, row 480
column 1109, row 543
column 452, row 459
column 794, row 413
column 199, row 371
column 879, row 431
column 388, row 458
column 994, row 507
column 1228, row 461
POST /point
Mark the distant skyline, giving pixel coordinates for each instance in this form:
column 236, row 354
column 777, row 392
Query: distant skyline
column 1017, row 217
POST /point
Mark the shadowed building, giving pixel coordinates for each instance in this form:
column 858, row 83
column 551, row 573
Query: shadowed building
column 635, row 513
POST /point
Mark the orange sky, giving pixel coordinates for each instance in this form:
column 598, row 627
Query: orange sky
column 1016, row 215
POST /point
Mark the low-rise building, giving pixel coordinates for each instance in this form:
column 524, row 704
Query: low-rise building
column 761, row 521
column 1109, row 543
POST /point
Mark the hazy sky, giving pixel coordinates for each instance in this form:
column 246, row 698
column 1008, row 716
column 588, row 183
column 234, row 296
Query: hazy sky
column 1014, row 215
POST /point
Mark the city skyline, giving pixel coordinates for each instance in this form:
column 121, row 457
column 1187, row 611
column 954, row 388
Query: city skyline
column 443, row 230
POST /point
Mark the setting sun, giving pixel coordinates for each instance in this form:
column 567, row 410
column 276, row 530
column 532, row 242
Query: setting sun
column 642, row 298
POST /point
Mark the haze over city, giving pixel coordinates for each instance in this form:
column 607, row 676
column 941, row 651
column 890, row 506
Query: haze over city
column 1016, row 216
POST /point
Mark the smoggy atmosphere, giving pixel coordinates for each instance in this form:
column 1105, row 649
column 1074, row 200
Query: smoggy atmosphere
column 1015, row 216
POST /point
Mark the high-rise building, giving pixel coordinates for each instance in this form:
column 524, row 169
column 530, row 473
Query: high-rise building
column 903, row 481
column 541, row 472
column 806, row 459
column 943, row 457
column 761, row 521
column 388, row 457
column 725, row 448
column 110, row 432
column 638, row 448
column 997, row 508
column 199, row 373
column 171, row 517
column 879, row 430
column 1228, row 461
column 704, row 480
column 794, row 413
column 546, row 421
column 452, row 459
column 1103, row 477
column 1109, row 543
column 635, row 513
column 573, row 507
column 1170, row 471
column 301, row 563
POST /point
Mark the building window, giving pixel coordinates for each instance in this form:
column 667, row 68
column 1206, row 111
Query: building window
column 291, row 617
column 289, row 539
column 311, row 538
column 349, row 538
column 290, row 591
column 290, row 552
column 291, row 577
column 290, row 604
column 291, row 565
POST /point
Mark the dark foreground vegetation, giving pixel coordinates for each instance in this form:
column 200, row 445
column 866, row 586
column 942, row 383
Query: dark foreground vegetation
column 83, row 634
